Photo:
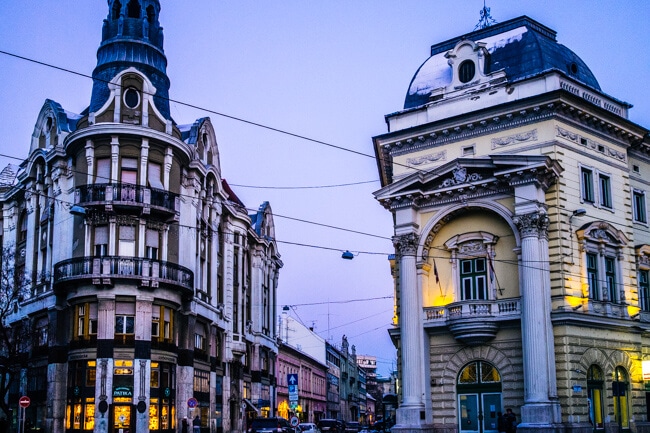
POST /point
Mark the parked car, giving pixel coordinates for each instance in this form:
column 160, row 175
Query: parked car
column 353, row 427
column 331, row 426
column 309, row 427
column 270, row 425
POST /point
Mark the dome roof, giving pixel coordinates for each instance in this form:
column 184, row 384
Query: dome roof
column 521, row 47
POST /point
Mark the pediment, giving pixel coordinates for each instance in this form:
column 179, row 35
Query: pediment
column 465, row 178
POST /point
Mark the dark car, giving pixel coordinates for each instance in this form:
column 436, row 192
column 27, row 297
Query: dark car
column 270, row 425
column 331, row 426
column 353, row 427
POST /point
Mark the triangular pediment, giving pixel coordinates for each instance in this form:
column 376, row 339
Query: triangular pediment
column 466, row 177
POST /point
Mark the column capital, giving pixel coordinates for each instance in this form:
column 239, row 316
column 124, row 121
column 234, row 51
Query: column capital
column 532, row 224
column 406, row 244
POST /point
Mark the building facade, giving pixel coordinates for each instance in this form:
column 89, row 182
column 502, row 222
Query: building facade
column 152, row 292
column 518, row 190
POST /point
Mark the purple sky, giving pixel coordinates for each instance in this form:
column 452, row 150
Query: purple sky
column 327, row 70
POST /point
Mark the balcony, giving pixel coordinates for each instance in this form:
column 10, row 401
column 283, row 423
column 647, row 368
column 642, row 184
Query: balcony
column 103, row 270
column 125, row 195
column 473, row 322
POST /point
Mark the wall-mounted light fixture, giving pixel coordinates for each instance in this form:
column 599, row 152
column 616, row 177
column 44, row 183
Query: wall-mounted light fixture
column 578, row 213
column 78, row 210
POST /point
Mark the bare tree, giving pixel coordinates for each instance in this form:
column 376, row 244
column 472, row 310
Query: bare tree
column 15, row 335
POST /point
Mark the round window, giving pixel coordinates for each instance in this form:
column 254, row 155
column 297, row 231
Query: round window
column 131, row 97
column 466, row 71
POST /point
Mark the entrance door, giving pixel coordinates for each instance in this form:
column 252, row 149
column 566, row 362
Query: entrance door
column 122, row 418
column 478, row 412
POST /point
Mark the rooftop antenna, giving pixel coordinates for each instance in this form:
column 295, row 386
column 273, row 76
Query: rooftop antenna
column 486, row 19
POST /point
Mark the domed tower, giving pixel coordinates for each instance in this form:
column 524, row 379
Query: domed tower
column 509, row 174
column 157, row 287
column 131, row 38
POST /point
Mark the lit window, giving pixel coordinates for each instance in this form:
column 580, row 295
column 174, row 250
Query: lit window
column 639, row 206
column 644, row 290
column 603, row 246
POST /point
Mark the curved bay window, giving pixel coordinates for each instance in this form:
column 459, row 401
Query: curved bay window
column 595, row 385
column 479, row 397
column 80, row 409
column 620, row 388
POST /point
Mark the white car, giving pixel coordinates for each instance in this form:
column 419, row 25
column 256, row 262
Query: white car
column 309, row 427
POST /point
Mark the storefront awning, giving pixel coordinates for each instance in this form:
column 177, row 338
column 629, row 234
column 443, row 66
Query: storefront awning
column 250, row 407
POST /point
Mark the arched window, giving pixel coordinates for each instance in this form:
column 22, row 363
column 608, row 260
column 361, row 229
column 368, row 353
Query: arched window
column 133, row 9
column 620, row 389
column 595, row 384
column 117, row 7
column 22, row 235
column 151, row 14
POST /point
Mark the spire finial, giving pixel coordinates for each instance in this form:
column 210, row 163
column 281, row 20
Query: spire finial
column 486, row 19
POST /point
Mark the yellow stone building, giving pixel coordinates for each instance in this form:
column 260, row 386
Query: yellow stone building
column 518, row 191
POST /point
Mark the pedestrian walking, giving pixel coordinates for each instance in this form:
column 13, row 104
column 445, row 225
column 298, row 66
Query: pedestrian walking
column 511, row 421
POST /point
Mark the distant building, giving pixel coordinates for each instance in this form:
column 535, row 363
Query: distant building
column 152, row 290
column 518, row 190
column 301, row 353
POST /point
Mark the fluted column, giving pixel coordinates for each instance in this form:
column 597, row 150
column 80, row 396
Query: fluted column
column 411, row 416
column 533, row 311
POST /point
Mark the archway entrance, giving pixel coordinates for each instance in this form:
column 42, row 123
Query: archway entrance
column 479, row 398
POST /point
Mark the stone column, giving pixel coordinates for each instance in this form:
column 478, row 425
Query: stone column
column 538, row 355
column 411, row 413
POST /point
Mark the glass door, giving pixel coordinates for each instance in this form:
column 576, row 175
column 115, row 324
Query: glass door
column 491, row 408
column 122, row 418
column 468, row 413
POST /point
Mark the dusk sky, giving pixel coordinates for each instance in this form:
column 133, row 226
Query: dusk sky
column 328, row 71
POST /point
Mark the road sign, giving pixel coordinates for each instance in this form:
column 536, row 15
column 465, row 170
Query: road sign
column 24, row 401
column 292, row 379
column 294, row 421
column 192, row 402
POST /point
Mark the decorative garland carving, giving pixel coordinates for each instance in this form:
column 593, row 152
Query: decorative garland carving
column 427, row 159
column 516, row 138
column 590, row 144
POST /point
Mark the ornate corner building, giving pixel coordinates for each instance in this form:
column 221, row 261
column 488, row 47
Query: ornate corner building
column 152, row 290
column 518, row 191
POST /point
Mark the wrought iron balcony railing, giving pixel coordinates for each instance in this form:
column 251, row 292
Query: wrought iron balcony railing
column 102, row 270
column 126, row 194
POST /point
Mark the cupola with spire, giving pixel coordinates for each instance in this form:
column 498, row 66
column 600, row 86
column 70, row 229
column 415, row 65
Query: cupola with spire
column 131, row 38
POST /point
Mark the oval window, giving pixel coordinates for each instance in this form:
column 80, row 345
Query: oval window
column 466, row 71
column 131, row 97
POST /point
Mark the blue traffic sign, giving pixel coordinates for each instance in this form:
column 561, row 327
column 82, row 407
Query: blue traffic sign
column 192, row 402
column 292, row 379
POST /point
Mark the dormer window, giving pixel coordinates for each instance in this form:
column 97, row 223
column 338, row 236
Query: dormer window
column 466, row 71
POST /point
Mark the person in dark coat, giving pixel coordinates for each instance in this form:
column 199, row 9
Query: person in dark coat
column 511, row 421
column 502, row 424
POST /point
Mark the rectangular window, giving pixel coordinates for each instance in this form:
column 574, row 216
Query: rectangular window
column 125, row 325
column 126, row 243
column 605, row 185
column 154, row 175
column 101, row 241
column 199, row 342
column 587, row 185
column 473, row 279
column 592, row 276
column 129, row 171
column 152, row 240
column 103, row 173
column 644, row 291
column 610, row 278
column 639, row 206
